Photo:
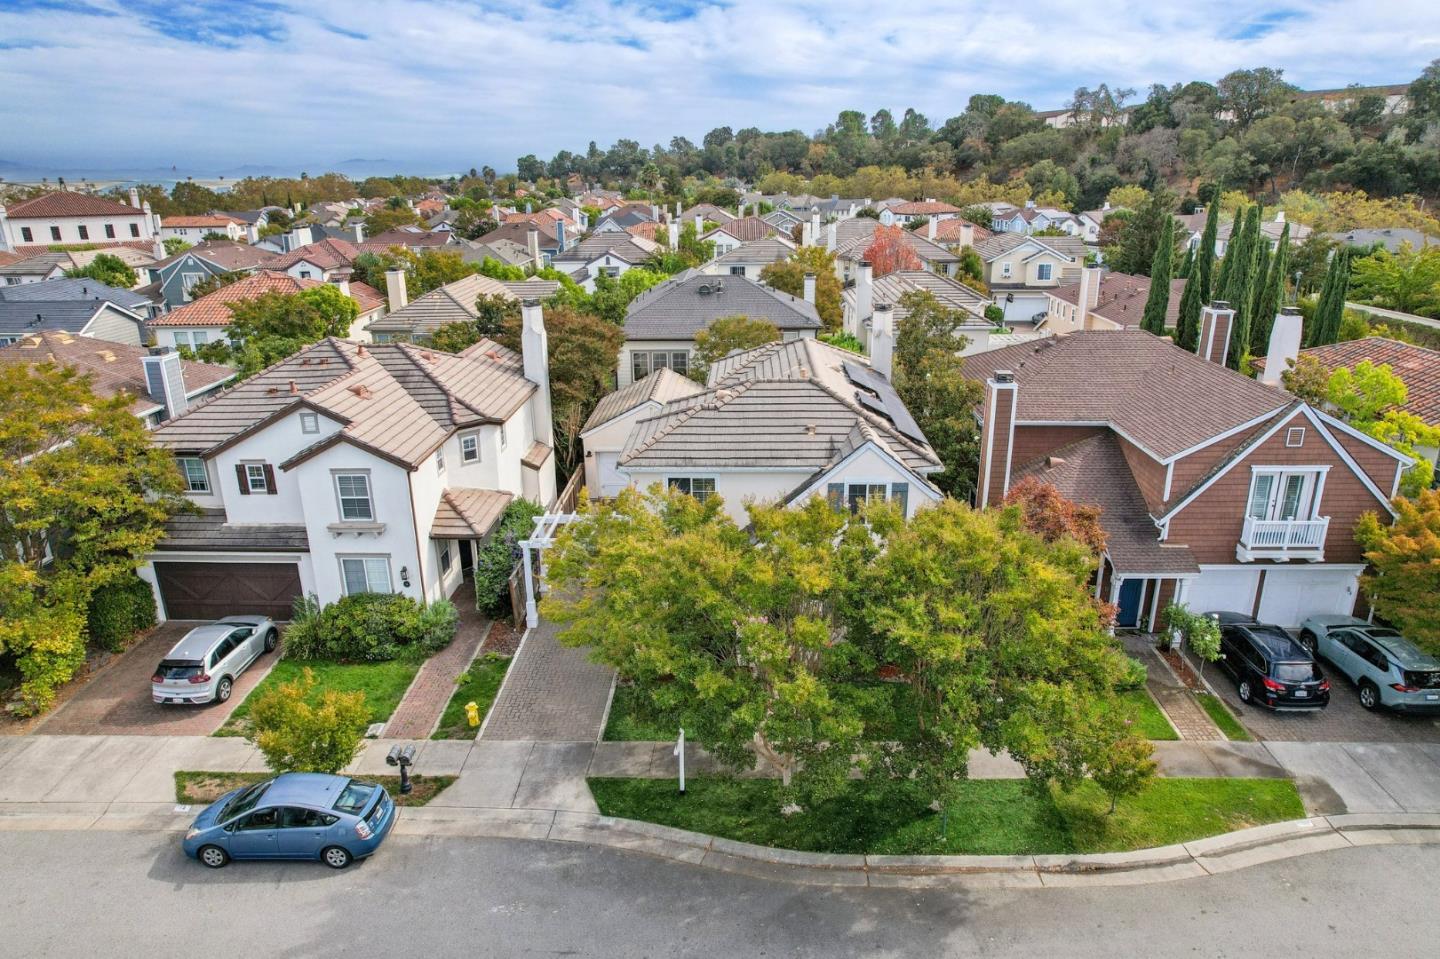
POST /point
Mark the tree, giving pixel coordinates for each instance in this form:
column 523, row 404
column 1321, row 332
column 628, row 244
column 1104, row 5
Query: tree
column 1157, row 303
column 726, row 335
column 389, row 218
column 1143, row 233
column 1404, row 575
column 301, row 729
column 215, row 281
column 1241, row 256
column 109, row 269
column 1252, row 94
column 174, row 245
column 613, row 295
column 890, row 251
column 1205, row 252
column 493, row 315
column 1052, row 517
column 86, row 497
column 273, row 326
column 1407, row 280
column 788, row 276
column 1187, row 324
column 1325, row 328
column 1271, row 296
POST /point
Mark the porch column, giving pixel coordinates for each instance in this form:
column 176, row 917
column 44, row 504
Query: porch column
column 532, row 612
column 1155, row 605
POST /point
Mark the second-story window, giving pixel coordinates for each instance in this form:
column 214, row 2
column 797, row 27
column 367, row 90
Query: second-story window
column 504, row 440
column 470, row 448
column 197, row 480
column 1287, row 496
column 354, row 491
column 84, row 232
column 1042, row 271
column 55, row 233
column 440, row 460
column 109, row 231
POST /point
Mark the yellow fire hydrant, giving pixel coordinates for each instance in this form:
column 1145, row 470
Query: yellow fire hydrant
column 472, row 713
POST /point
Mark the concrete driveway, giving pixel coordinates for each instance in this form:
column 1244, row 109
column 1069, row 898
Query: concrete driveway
column 116, row 702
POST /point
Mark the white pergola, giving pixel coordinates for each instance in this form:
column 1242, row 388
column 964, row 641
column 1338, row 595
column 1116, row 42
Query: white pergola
column 542, row 536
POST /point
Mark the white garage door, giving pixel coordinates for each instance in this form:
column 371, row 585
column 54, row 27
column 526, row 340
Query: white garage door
column 612, row 481
column 1292, row 595
column 1223, row 589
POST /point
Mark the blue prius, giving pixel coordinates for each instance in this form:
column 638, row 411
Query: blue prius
column 334, row 819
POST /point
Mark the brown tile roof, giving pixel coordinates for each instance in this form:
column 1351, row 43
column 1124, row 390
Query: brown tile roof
column 748, row 228
column 518, row 233
column 113, row 368
column 536, row 455
column 225, row 254
column 646, row 231
column 468, row 513
column 1417, row 366
column 381, row 242
column 1122, row 298
column 6, row 258
column 328, row 254
column 1094, row 472
column 366, row 296
column 948, row 230
column 213, row 309
column 1146, row 388
column 923, row 208
column 31, row 249
column 63, row 203
column 219, row 220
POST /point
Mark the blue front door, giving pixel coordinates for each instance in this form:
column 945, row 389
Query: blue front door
column 1130, row 593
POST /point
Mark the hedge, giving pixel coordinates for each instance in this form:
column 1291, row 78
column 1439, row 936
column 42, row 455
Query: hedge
column 370, row 627
column 497, row 556
column 119, row 611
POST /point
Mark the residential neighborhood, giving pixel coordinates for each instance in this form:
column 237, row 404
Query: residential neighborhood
column 801, row 536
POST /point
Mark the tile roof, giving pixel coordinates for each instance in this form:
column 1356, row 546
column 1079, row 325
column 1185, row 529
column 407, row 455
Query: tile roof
column 747, row 228
column 465, row 513
column 7, row 258
column 113, row 368
column 1417, row 366
column 771, row 249
column 37, row 264
column 923, row 208
column 74, row 289
column 854, row 248
column 208, row 530
column 948, row 230
column 1161, row 397
column 518, row 233
column 366, row 296
column 65, row 203
column 213, row 309
column 1094, row 472
column 710, row 212
column 328, row 254
column 645, row 231
column 950, row 292
column 225, row 255
column 455, row 303
column 1001, row 243
column 30, row 249
column 1122, row 298
column 214, row 219
column 662, row 386
column 381, row 242
column 690, row 301
column 630, row 248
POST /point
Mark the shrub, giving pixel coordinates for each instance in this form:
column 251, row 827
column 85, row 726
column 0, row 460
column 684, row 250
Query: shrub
column 1135, row 675
column 994, row 314
column 497, row 557
column 120, row 610
column 369, row 627
column 298, row 731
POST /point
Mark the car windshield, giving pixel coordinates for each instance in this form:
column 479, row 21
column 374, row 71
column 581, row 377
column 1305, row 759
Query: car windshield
column 1295, row 672
column 354, row 797
column 172, row 669
column 243, row 803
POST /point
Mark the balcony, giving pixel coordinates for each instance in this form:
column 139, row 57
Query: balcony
column 1283, row 539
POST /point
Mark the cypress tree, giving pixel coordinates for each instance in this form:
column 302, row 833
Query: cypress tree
column 1158, row 302
column 1257, row 282
column 1241, row 258
column 1187, row 327
column 1332, row 299
column 1313, row 329
column 1218, row 285
column 1272, row 295
column 1186, row 265
column 1205, row 253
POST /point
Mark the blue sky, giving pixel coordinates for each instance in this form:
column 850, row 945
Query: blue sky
column 442, row 85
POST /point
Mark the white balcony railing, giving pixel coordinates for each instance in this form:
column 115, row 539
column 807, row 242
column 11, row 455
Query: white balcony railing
column 1283, row 539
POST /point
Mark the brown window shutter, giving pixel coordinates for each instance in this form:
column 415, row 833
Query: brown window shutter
column 270, row 480
column 242, row 479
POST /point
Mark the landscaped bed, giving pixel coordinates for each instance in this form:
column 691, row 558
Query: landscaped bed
column 478, row 684
column 384, row 683
column 989, row 817
column 203, row 788
column 1221, row 715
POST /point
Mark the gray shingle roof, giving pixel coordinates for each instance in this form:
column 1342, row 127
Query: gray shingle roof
column 20, row 319
column 74, row 288
column 767, row 250
column 207, row 530
column 689, row 302
column 854, row 248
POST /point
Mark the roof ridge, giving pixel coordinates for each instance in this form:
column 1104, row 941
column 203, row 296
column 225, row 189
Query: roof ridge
column 684, row 416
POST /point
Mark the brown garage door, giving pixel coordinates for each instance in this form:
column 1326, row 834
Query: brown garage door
column 213, row 590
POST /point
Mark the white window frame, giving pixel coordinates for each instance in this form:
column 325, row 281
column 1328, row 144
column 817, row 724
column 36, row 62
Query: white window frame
column 1044, row 272
column 1278, row 481
column 190, row 478
column 445, row 558
column 370, row 568
column 470, row 448
column 1005, row 270
column 504, row 437
column 182, row 337
column 188, row 282
column 1295, row 436
column 440, row 459
column 341, row 496
column 252, row 470
column 686, row 485
column 309, row 421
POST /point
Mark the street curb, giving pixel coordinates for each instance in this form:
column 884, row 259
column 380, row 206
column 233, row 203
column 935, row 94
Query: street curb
column 1202, row 857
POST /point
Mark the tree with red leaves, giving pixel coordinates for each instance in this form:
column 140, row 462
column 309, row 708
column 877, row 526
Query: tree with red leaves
column 890, row 251
column 1050, row 515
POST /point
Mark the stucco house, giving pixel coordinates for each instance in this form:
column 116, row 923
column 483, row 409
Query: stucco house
column 609, row 253
column 414, row 321
column 193, row 229
column 204, row 320
column 1104, row 300
column 66, row 218
column 1021, row 269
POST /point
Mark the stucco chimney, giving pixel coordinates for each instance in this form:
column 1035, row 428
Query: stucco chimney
column 814, row 227
column 532, row 245
column 1215, row 322
column 699, row 225
column 655, row 212
column 997, row 438
column 1088, row 295
column 864, row 296
column 930, row 229
column 135, row 198
column 673, row 231
column 807, row 233
column 535, row 353
column 809, row 287
column 395, row 289
column 830, row 240
column 967, row 233
column 358, row 231
column 882, row 339
column 1284, row 345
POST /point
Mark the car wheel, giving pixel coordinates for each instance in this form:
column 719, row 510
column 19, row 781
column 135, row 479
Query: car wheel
column 213, row 856
column 271, row 639
column 1244, row 690
column 336, row 857
column 1369, row 695
column 1310, row 642
column 223, row 689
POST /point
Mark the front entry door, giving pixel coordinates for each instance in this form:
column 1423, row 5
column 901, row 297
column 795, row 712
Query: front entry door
column 1131, row 591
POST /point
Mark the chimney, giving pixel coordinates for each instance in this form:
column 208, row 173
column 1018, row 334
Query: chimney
column 157, row 251
column 810, row 288
column 967, row 233
column 1279, row 216
column 830, row 240
column 164, row 379
column 882, row 339
column 655, row 212
column 864, row 294
column 135, row 198
column 673, row 229
column 1215, row 321
column 814, row 227
column 358, row 231
column 807, row 233
column 395, row 289
column 1090, row 277
column 560, row 235
column 677, row 209
column 699, row 225
column 997, row 439
column 930, row 230
column 535, row 352
column 1284, row 345
column 532, row 244
column 740, row 214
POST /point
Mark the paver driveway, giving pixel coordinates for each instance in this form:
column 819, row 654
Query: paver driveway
column 117, row 701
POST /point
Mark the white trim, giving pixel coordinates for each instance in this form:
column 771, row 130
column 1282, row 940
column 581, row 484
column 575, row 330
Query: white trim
column 813, row 488
column 1340, row 451
column 1225, row 435
column 1395, row 486
column 1191, row 496
column 988, row 452
column 1169, row 475
column 1362, row 437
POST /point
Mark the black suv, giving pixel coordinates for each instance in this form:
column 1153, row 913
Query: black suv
column 1271, row 668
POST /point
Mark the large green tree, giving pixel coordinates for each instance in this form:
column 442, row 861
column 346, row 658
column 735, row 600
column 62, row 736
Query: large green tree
column 929, row 377
column 1205, row 252
column 1158, row 301
column 1407, row 280
column 1330, row 309
column 1270, row 295
column 1241, row 257
column 108, row 269
column 1143, row 233
column 724, row 336
column 788, row 276
column 1187, row 325
column 273, row 326
column 1404, row 575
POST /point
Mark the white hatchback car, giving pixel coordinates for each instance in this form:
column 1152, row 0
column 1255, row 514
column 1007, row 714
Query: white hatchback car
column 203, row 666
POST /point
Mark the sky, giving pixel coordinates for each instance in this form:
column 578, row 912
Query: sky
column 438, row 86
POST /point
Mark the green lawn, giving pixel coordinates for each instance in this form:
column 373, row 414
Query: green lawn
column 383, row 683
column 1150, row 722
column 989, row 817
column 1223, row 717
column 633, row 720
column 478, row 684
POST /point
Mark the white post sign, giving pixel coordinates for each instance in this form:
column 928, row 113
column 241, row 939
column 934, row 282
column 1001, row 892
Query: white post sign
column 680, row 752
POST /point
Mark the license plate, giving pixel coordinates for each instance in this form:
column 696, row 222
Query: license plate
column 1432, row 696
column 174, row 699
column 1301, row 693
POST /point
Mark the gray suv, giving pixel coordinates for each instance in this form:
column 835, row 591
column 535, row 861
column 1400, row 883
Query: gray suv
column 1387, row 668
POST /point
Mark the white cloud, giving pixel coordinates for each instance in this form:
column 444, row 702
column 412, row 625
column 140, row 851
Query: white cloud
column 445, row 84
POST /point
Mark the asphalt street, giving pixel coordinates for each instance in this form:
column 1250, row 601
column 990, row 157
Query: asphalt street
column 133, row 894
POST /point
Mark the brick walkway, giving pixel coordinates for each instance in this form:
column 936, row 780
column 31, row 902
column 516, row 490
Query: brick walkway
column 430, row 693
column 552, row 694
column 1180, row 707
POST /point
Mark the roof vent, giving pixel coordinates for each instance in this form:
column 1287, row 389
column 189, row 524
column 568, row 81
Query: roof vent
column 271, row 390
column 810, row 429
column 1004, row 376
column 361, row 390
column 703, row 289
column 294, row 390
column 1053, row 461
column 361, row 351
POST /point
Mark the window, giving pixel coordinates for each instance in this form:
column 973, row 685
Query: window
column 84, row 232
column 197, row 480
column 135, row 230
column 645, row 362
column 55, row 233
column 700, row 487
column 257, row 479
column 182, row 337
column 188, row 281
column 445, row 558
column 294, row 817
column 1005, row 269
column 853, row 495
column 201, row 337
column 737, row 271
column 610, row 271
column 365, row 574
column 470, row 448
column 1288, row 496
column 304, row 274
column 354, row 491
column 1042, row 271
column 109, row 231
column 309, row 422
column 857, row 494
column 26, row 235
column 262, row 819
column 504, row 439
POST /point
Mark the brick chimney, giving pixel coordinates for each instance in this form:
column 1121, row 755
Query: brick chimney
column 1215, row 322
column 535, row 354
column 1284, row 345
column 395, row 289
column 997, row 439
column 882, row 339
column 810, row 288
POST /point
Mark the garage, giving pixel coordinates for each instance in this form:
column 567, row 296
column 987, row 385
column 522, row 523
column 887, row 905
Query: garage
column 1291, row 594
column 1229, row 588
column 213, row 590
